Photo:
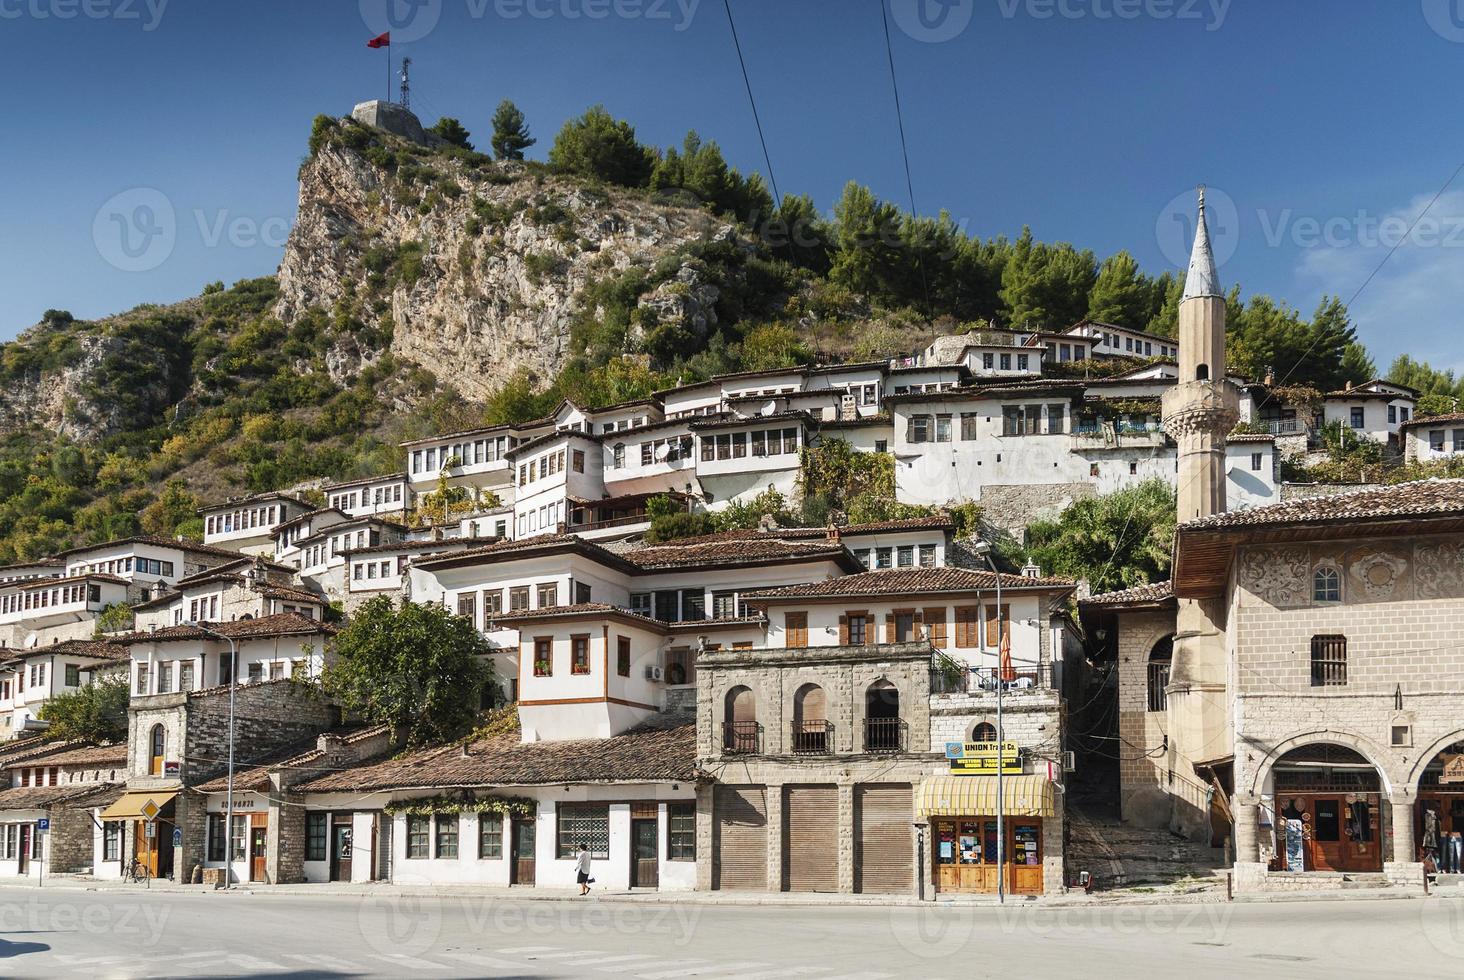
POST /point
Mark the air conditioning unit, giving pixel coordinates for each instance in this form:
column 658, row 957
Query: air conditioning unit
column 1069, row 761
column 654, row 673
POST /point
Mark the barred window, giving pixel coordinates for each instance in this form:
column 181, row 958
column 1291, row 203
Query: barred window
column 681, row 832
column 419, row 830
column 490, row 835
column 315, row 836
column 447, row 836
column 1328, row 660
column 583, row 823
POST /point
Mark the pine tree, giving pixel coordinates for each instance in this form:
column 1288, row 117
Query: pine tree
column 510, row 132
column 1121, row 294
column 599, row 145
column 453, row 132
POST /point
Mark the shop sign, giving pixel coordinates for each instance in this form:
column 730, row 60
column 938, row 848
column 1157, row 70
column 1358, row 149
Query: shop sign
column 1453, row 769
column 171, row 769
column 984, row 758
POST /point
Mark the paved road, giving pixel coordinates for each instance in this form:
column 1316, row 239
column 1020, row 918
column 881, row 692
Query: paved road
column 124, row 934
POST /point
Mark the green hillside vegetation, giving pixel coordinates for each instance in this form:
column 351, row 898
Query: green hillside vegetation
column 214, row 396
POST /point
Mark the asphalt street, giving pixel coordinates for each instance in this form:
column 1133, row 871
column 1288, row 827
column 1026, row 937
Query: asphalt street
column 137, row 934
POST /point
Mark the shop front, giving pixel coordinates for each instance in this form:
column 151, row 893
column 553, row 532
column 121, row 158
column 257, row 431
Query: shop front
column 1327, row 811
column 151, row 814
column 1439, row 815
column 961, row 812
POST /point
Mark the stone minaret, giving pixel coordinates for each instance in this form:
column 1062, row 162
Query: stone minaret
column 1198, row 413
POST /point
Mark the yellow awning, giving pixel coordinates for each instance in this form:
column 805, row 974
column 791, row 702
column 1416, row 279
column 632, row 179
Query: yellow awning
column 129, row 806
column 975, row 796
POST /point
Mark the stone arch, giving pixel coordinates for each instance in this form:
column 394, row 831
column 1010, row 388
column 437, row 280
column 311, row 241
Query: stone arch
column 810, row 704
column 1364, row 747
column 739, row 715
column 984, row 731
column 1427, row 756
column 157, row 748
column 1156, row 673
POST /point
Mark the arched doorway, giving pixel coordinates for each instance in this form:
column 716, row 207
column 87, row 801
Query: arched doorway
column 810, row 720
column 1438, row 820
column 1327, row 805
column 740, row 729
column 883, row 729
column 984, row 732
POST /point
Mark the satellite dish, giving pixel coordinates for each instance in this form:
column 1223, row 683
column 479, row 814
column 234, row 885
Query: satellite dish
column 663, row 452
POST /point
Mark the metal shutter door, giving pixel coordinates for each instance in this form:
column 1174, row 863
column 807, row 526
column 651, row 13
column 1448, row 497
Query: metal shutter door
column 811, row 839
column 884, row 856
column 740, row 852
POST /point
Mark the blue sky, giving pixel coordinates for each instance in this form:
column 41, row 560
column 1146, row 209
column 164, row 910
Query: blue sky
column 1327, row 127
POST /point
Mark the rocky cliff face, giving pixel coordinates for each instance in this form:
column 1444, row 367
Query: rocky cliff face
column 477, row 269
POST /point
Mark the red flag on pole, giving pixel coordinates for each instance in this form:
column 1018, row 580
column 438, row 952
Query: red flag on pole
column 380, row 41
column 1008, row 673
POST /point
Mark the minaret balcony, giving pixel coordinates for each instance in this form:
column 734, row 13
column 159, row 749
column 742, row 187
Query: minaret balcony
column 1210, row 406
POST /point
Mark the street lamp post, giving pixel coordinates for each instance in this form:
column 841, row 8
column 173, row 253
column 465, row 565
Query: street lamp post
column 229, row 794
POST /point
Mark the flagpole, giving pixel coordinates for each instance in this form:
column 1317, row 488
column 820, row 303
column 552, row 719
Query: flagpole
column 388, row 71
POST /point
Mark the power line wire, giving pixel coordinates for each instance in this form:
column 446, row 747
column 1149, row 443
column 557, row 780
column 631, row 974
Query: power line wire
column 757, row 121
column 904, row 147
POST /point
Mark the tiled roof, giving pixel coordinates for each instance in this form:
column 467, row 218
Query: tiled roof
column 1139, row 595
column 282, row 624
column 733, row 421
column 863, row 421
column 929, row 522
column 46, row 583
column 70, row 754
column 1421, row 498
column 746, row 551
column 582, row 610
column 419, row 546
column 544, row 543
column 1250, row 437
column 301, row 754
column 44, row 797
column 663, row 751
column 359, row 481
column 100, row 649
column 191, row 547
column 895, row 581
column 293, row 595
column 237, row 566
column 1428, row 420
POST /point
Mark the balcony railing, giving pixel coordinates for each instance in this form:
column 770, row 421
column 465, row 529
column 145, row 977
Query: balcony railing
column 812, row 737
column 741, row 737
column 950, row 677
column 884, row 735
column 582, row 525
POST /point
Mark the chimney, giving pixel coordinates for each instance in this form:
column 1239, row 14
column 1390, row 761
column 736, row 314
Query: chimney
column 767, row 524
column 1031, row 570
column 832, row 533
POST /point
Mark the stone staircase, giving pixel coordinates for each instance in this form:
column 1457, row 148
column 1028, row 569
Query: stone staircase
column 1123, row 856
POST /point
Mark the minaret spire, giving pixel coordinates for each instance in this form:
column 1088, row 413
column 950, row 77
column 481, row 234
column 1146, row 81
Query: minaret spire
column 1201, row 279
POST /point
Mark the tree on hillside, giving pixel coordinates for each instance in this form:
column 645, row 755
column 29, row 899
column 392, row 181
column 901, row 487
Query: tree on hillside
column 1440, row 392
column 95, row 714
column 1122, row 295
column 599, row 145
column 1115, row 541
column 1357, row 365
column 510, row 132
column 1046, row 285
column 416, row 668
column 453, row 132
column 175, row 511
column 773, row 345
column 1263, row 336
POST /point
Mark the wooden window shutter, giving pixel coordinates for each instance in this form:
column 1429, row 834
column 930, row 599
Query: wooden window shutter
column 991, row 631
column 795, row 626
column 843, row 631
column 935, row 623
column 889, row 627
column 966, row 620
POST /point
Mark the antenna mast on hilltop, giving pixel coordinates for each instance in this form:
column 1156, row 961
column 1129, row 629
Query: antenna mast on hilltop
column 406, row 83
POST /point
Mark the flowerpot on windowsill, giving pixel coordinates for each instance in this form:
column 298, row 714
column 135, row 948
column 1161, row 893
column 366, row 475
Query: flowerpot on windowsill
column 541, row 668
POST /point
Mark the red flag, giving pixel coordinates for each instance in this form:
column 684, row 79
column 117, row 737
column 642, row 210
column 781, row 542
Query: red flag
column 1007, row 671
column 380, row 41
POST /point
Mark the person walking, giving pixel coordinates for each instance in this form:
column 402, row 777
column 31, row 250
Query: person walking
column 582, row 870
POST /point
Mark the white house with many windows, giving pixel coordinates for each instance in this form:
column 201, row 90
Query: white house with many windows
column 247, row 523
column 1433, row 438
column 1374, row 411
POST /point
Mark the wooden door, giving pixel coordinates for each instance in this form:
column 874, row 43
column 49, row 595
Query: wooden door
column 523, row 851
column 810, row 839
column 884, row 862
column 144, row 847
column 644, row 850
column 740, row 838
column 258, row 845
column 342, row 847
column 22, row 861
column 1328, row 846
column 1024, row 851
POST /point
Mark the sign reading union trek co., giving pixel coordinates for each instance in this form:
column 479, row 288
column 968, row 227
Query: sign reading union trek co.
column 983, row 758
